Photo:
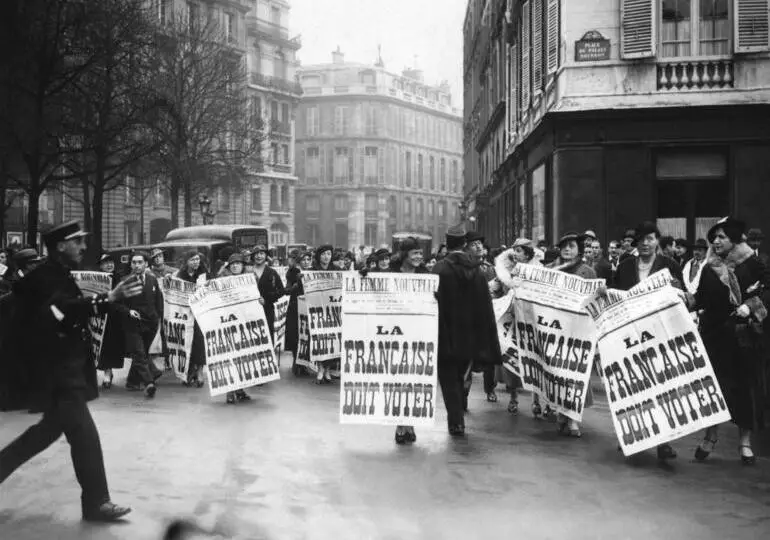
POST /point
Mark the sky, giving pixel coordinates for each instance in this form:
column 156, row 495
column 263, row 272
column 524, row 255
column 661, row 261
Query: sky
column 431, row 30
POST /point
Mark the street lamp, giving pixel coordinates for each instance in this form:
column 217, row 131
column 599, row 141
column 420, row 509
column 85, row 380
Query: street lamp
column 206, row 212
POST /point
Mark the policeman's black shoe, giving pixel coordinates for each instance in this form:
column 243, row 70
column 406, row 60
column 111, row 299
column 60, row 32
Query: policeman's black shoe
column 411, row 436
column 150, row 390
column 241, row 395
column 665, row 451
column 133, row 387
column 105, row 513
column 401, row 436
column 457, row 430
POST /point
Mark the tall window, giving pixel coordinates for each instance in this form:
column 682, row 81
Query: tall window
column 285, row 116
column 161, row 9
column 371, row 204
column 274, row 114
column 313, row 165
column 538, row 203
column 312, row 123
column 274, row 153
column 275, row 15
column 441, row 209
column 162, row 195
column 285, row 154
column 230, row 27
column 279, row 234
column 420, row 210
column 694, row 28
column 442, row 175
column 285, row 198
column 407, row 210
column 274, row 201
column 432, row 172
column 371, row 165
column 341, row 204
column 223, row 194
column 341, row 165
column 371, row 120
column 193, row 15
column 256, row 199
column 340, row 120
column 408, row 166
column 455, row 176
column 370, row 234
column 255, row 106
column 279, row 69
column 430, row 210
column 312, row 204
column 420, row 182
column 133, row 191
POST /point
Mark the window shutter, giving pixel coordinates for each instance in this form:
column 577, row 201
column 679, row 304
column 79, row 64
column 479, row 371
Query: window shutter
column 638, row 29
column 537, row 46
column 362, row 164
column 526, row 81
column 381, row 165
column 514, row 80
column 553, row 20
column 752, row 26
column 322, row 165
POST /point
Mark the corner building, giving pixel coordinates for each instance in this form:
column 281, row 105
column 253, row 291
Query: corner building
column 377, row 152
column 616, row 111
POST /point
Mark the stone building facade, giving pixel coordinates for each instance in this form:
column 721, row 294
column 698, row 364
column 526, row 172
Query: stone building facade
column 377, row 153
column 611, row 112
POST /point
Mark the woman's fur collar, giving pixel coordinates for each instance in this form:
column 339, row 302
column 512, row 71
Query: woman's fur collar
column 504, row 264
column 724, row 267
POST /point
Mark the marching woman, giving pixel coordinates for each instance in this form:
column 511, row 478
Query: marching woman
column 732, row 299
column 113, row 346
column 322, row 260
column 294, row 289
column 270, row 286
column 410, row 262
column 570, row 261
column 194, row 271
column 521, row 252
column 234, row 267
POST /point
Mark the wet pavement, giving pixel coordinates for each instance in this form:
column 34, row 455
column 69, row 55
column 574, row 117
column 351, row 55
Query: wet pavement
column 281, row 467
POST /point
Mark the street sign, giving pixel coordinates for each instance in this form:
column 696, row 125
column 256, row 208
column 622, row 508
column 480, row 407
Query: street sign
column 592, row 47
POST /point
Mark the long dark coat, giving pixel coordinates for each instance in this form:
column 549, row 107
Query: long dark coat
column 198, row 350
column 54, row 354
column 467, row 330
column 295, row 290
column 737, row 363
column 113, row 342
column 270, row 289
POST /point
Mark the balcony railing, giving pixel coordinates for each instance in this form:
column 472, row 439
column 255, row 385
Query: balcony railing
column 276, row 83
column 282, row 167
column 275, row 31
column 699, row 74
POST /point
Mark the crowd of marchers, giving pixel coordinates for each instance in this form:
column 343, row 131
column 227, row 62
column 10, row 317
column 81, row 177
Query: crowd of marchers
column 723, row 279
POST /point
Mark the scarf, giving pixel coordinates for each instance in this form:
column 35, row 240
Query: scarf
column 724, row 268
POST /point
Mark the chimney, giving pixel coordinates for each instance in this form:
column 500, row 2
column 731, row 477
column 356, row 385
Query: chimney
column 338, row 57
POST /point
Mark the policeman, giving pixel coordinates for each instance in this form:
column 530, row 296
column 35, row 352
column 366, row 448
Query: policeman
column 52, row 324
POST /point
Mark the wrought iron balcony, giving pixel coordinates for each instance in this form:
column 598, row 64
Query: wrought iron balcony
column 277, row 83
column 263, row 28
column 696, row 74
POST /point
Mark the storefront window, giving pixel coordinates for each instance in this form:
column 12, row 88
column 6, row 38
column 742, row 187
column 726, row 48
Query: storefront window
column 538, row 203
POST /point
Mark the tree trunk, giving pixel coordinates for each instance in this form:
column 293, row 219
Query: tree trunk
column 33, row 213
column 174, row 193
column 92, row 251
column 187, row 204
column 97, row 207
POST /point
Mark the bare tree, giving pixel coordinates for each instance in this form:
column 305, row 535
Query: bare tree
column 115, row 99
column 43, row 58
column 208, row 133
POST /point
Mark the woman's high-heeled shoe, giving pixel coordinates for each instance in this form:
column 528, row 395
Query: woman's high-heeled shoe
column 401, row 436
column 747, row 455
column 107, row 383
column 705, row 448
column 230, row 398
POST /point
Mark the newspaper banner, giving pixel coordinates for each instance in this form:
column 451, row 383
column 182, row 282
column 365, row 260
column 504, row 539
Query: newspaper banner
column 239, row 349
column 281, row 309
column 178, row 323
column 504, row 317
column 554, row 337
column 390, row 342
column 323, row 295
column 659, row 380
column 92, row 284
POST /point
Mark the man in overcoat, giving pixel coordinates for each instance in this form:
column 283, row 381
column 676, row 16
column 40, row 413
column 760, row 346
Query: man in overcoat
column 467, row 332
column 52, row 322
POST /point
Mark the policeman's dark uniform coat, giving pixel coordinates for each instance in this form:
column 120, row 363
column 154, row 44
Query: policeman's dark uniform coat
column 51, row 322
